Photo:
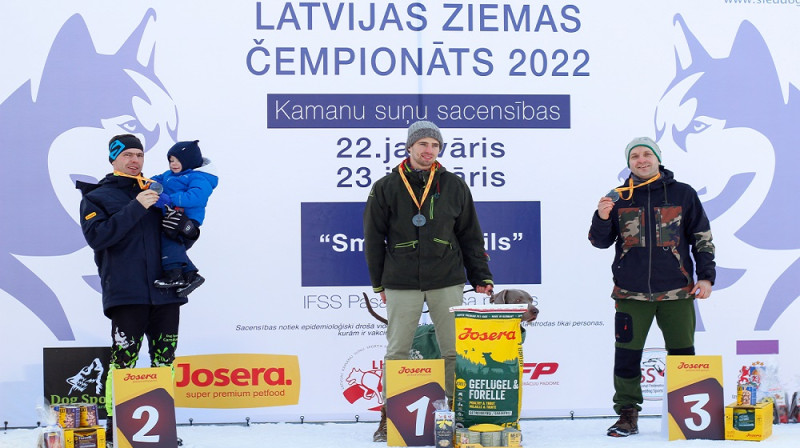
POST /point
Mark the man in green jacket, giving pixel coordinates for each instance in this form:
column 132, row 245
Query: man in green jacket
column 421, row 232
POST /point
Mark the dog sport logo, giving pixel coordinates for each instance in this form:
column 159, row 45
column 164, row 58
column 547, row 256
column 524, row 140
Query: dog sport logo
column 361, row 377
column 76, row 375
column 88, row 375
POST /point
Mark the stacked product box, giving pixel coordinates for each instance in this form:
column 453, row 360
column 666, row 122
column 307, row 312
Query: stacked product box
column 80, row 426
column 748, row 422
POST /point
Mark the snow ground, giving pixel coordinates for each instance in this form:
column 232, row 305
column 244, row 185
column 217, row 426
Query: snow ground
column 583, row 432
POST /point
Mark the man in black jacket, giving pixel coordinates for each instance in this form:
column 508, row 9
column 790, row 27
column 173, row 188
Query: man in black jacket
column 123, row 228
column 658, row 226
column 421, row 231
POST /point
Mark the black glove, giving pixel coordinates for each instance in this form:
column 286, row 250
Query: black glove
column 175, row 223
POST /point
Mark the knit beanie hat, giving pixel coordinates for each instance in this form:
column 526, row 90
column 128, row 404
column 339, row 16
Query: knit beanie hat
column 119, row 143
column 188, row 153
column 642, row 141
column 423, row 129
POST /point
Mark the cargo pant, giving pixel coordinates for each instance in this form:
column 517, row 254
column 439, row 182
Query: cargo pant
column 677, row 321
column 404, row 309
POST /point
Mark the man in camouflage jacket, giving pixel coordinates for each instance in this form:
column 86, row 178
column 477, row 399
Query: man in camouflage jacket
column 654, row 223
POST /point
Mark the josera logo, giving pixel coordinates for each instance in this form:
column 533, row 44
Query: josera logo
column 236, row 381
column 332, row 242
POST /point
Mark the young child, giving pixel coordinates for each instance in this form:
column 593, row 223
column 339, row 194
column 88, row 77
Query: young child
column 187, row 185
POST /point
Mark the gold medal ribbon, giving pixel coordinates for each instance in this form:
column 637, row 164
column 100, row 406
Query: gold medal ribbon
column 401, row 168
column 144, row 183
column 629, row 189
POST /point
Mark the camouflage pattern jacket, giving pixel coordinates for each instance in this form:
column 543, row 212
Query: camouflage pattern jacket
column 653, row 234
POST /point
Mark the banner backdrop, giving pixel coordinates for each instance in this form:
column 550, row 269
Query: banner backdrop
column 302, row 106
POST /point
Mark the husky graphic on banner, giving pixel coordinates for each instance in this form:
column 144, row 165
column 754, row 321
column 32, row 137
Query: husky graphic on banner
column 91, row 374
column 53, row 133
column 726, row 123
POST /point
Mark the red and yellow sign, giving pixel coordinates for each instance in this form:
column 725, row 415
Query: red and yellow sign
column 236, row 381
column 695, row 406
column 412, row 387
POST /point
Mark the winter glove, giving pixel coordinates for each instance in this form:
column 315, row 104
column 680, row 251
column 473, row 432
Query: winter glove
column 176, row 223
column 164, row 200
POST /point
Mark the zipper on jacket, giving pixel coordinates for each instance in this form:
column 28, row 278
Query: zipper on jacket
column 446, row 243
column 650, row 215
column 430, row 213
column 406, row 244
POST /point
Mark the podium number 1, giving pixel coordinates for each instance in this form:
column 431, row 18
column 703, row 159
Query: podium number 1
column 152, row 419
column 699, row 401
column 420, row 407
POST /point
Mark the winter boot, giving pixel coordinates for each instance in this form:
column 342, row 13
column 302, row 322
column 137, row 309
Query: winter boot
column 193, row 281
column 627, row 424
column 380, row 433
column 173, row 278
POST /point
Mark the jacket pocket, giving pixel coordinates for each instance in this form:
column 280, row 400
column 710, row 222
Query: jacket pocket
column 623, row 327
column 406, row 247
column 668, row 226
column 631, row 227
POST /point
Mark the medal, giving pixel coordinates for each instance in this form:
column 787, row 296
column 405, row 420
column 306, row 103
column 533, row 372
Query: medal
column 418, row 220
column 614, row 195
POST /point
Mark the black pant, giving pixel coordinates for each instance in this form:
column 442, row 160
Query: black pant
column 129, row 325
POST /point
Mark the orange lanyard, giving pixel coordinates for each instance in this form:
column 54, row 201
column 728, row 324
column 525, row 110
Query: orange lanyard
column 408, row 186
column 144, row 183
column 629, row 189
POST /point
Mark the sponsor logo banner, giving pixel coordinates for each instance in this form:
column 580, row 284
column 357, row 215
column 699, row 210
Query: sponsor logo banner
column 76, row 375
column 361, row 377
column 236, row 381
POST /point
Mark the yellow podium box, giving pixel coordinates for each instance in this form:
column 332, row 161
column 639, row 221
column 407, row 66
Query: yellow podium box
column 412, row 388
column 144, row 408
column 695, row 398
column 748, row 422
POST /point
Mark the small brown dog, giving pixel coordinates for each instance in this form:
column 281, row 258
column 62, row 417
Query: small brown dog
column 506, row 296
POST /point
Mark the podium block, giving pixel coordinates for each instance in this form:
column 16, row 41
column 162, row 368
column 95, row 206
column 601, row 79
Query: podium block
column 144, row 408
column 412, row 386
column 695, row 399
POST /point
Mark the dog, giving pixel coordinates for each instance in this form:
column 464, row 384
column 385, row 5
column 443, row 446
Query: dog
column 506, row 296
column 425, row 345
column 82, row 98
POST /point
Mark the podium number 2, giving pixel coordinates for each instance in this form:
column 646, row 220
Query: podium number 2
column 152, row 418
column 699, row 401
column 420, row 407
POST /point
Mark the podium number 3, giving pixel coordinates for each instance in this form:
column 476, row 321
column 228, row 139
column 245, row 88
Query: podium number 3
column 420, row 407
column 152, row 419
column 698, row 402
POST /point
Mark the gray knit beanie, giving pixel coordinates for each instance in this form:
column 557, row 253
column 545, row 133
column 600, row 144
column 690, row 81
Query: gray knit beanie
column 422, row 129
column 642, row 141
